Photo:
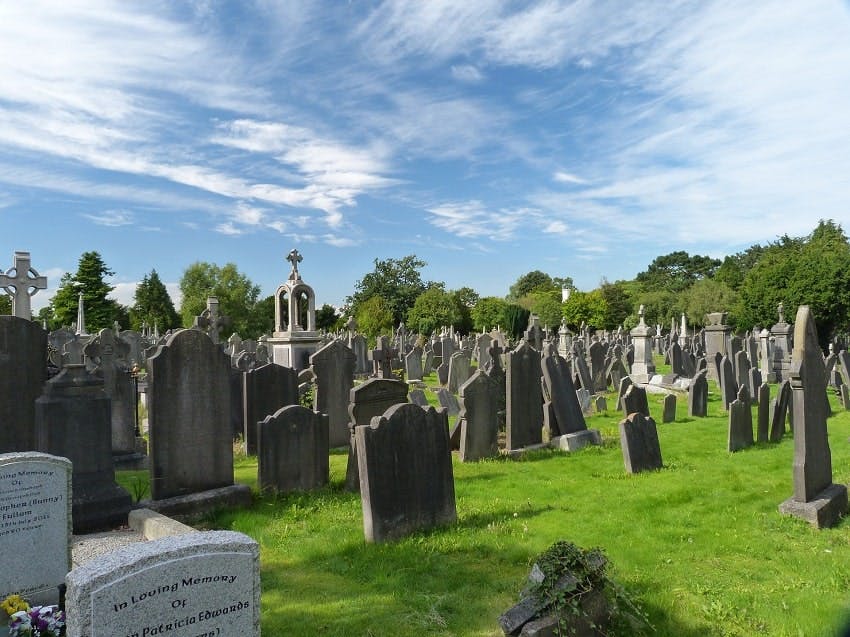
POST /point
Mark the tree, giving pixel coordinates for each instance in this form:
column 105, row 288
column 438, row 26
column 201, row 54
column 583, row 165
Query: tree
column 465, row 299
column 153, row 305
column 710, row 295
column 261, row 319
column 585, row 307
column 5, row 303
column 237, row 296
column 374, row 317
column 530, row 282
column 735, row 267
column 433, row 309
column 677, row 271
column 618, row 303
column 489, row 312
column 397, row 281
column 100, row 311
column 516, row 319
column 546, row 305
column 326, row 317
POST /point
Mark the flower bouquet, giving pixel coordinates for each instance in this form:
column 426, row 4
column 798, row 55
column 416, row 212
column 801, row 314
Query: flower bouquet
column 38, row 621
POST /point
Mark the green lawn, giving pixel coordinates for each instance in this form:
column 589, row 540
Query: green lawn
column 700, row 544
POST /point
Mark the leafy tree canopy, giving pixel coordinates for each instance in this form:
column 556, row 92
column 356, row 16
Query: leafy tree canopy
column 5, row 304
column 100, row 311
column 397, row 281
column 488, row 313
column 585, row 307
column 374, row 317
column 237, row 296
column 537, row 281
column 710, row 295
column 433, row 309
column 326, row 317
column 676, row 271
column 153, row 305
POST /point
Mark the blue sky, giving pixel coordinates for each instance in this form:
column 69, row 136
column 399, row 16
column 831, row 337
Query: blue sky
column 488, row 137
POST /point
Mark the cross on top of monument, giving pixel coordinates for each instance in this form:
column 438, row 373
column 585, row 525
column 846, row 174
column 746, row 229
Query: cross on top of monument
column 641, row 312
column 382, row 357
column 21, row 282
column 294, row 257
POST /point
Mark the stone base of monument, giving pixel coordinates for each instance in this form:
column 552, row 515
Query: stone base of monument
column 131, row 461
column 99, row 507
column 577, row 440
column 821, row 512
column 194, row 505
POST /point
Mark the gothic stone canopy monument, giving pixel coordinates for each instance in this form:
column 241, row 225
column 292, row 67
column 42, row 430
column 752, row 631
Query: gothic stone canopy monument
column 295, row 336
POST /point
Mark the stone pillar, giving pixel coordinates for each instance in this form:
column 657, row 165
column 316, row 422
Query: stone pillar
column 716, row 338
column 766, row 356
column 643, row 367
column 782, row 344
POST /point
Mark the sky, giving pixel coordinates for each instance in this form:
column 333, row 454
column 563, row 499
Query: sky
column 487, row 137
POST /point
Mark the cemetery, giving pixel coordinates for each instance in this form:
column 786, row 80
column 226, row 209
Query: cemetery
column 335, row 479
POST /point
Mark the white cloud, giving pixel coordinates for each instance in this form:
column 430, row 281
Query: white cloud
column 568, row 178
column 556, row 227
column 472, row 219
column 229, row 229
column 466, row 73
column 111, row 218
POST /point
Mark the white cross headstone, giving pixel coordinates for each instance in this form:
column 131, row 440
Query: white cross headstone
column 21, row 282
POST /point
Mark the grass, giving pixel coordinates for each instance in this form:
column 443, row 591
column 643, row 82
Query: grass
column 700, row 544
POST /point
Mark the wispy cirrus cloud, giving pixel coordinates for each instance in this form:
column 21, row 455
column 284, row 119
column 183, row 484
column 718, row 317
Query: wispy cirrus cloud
column 111, row 218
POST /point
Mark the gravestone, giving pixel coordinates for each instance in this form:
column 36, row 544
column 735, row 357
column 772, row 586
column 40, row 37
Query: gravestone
column 265, row 390
column 643, row 366
column 596, row 355
column 458, row 370
column 600, row 404
column 634, row 400
column 669, row 410
column 677, row 364
column 448, row 401
column 625, row 383
column 580, row 367
column 443, row 371
column 334, row 366
column 483, row 343
column 728, row 386
column 479, row 424
column 382, row 358
column 413, row 364
column 639, row 442
column 35, row 500
column 20, row 282
column 845, row 396
column 754, row 382
column 191, row 448
column 109, row 354
column 358, row 345
column 415, row 490
column 23, row 370
column 567, row 412
column 698, row 396
column 524, row 400
column 367, row 400
column 816, row 498
column 763, row 427
column 779, row 411
column 72, row 421
column 740, row 422
column 292, row 450
column 417, row 397
column 198, row 584
column 742, row 371
column 428, row 365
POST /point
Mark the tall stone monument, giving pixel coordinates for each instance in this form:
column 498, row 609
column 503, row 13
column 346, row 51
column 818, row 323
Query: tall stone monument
column 716, row 337
column 643, row 367
column 816, row 498
column 295, row 336
column 782, row 344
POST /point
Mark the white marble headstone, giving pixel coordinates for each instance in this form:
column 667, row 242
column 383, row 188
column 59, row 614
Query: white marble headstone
column 35, row 525
column 204, row 583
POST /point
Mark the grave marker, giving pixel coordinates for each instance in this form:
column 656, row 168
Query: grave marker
column 639, row 442
column 21, row 282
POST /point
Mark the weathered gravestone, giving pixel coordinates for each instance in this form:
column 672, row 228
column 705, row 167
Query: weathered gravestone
column 417, row 397
column 816, row 498
column 740, row 421
column 779, row 411
column 623, row 387
column 458, row 370
column 292, row 450
column 639, row 442
column 191, row 448
column 845, row 396
column 205, row 583
column 23, row 370
column 524, row 408
column 448, row 401
column 21, row 282
column 668, row 413
column 634, row 400
column 72, row 421
column 763, row 427
column 415, row 489
column 754, row 382
column 698, row 395
column 35, row 525
column 372, row 398
column 413, row 364
column 265, row 389
column 596, row 356
column 728, row 386
column 562, row 412
column 479, row 424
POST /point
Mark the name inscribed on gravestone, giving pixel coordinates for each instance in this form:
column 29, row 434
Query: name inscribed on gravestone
column 35, row 525
column 192, row 585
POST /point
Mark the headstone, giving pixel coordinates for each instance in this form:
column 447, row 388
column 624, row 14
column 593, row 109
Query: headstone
column 596, row 355
column 639, row 442
column 845, row 396
column 483, row 343
column 35, row 525
column 728, row 386
column 816, row 498
column 382, row 357
column 698, row 396
column 415, row 490
column 417, row 397
column 205, row 583
column 601, row 404
column 754, row 382
column 669, row 411
column 581, row 369
column 109, row 353
column 23, row 370
column 716, row 337
column 763, row 428
column 479, row 425
column 779, row 411
column 72, row 421
column 292, row 450
column 458, row 370
column 428, row 365
column 677, row 364
column 367, row 400
column 740, row 421
column 569, row 415
column 625, row 383
column 191, row 447
column 265, row 390
column 20, row 282
column 413, row 364
column 524, row 408
column 334, row 366
column 634, row 400
column 358, row 345
column 742, row 371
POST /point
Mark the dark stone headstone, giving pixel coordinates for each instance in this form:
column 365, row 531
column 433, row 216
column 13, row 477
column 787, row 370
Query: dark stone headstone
column 669, row 412
column 524, row 408
column 763, row 427
column 559, row 386
column 754, row 382
column 639, row 442
column 779, row 411
column 698, row 395
column 816, row 498
column 417, row 397
column 334, row 366
column 740, row 421
column 73, row 421
column 413, row 364
column 728, row 386
column 266, row 389
column 845, row 396
column 23, row 371
column 479, row 425
column 596, row 356
column 191, row 447
column 405, row 469
column 292, row 450
column 448, row 401
column 623, row 387
column 634, row 400
column 109, row 354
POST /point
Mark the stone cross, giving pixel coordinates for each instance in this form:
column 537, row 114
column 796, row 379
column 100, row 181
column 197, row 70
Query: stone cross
column 294, row 257
column 209, row 321
column 641, row 312
column 382, row 357
column 781, row 310
column 21, row 282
